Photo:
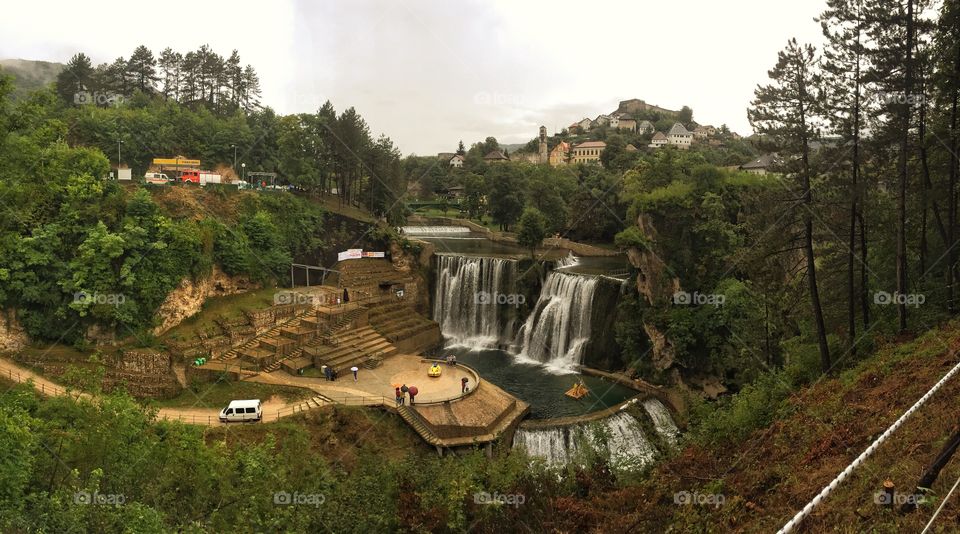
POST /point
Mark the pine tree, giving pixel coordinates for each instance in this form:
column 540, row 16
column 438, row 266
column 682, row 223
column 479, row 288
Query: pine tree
column 844, row 68
column 784, row 111
column 142, row 69
column 76, row 77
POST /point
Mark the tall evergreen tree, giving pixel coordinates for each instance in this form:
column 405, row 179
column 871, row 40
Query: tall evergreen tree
column 784, row 111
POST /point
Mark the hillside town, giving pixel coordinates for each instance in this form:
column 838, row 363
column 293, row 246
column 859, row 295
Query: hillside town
column 646, row 127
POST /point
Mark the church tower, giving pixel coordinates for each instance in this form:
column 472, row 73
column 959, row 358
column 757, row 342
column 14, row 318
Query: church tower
column 542, row 157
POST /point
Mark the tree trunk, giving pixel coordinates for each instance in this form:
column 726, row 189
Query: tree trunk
column 902, row 165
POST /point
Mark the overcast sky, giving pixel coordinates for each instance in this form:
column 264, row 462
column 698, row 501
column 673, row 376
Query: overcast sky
column 430, row 72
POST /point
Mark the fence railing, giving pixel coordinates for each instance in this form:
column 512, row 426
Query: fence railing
column 43, row 388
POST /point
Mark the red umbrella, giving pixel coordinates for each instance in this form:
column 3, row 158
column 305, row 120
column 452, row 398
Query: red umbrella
column 412, row 390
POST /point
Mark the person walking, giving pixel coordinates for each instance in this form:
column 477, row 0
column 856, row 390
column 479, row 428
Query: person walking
column 354, row 369
column 326, row 372
column 412, row 391
column 399, row 397
column 463, row 385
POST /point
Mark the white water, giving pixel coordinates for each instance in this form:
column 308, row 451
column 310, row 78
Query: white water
column 433, row 230
column 625, row 441
column 662, row 420
column 559, row 326
column 567, row 261
column 465, row 298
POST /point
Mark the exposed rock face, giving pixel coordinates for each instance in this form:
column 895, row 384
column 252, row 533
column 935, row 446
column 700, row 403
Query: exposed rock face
column 654, row 280
column 12, row 336
column 657, row 285
column 188, row 297
column 662, row 352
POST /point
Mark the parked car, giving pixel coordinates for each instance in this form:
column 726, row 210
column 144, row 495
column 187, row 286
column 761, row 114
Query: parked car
column 242, row 410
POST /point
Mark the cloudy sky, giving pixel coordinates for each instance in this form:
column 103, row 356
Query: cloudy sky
column 430, row 72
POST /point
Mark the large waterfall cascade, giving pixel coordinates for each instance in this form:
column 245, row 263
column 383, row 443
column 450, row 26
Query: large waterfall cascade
column 625, row 440
column 559, row 326
column 466, row 298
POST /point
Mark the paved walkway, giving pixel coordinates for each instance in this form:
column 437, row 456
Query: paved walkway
column 379, row 383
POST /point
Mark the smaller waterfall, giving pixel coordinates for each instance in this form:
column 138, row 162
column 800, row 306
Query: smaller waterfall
column 662, row 421
column 559, row 326
column 619, row 435
column 467, row 298
column 435, row 230
column 567, row 261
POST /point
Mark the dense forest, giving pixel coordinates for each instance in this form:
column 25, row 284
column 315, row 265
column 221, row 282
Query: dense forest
column 66, row 230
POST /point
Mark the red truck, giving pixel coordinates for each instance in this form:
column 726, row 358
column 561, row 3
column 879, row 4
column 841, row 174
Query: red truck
column 200, row 177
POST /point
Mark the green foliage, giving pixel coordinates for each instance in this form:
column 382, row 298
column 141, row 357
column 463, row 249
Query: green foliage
column 531, row 229
column 734, row 418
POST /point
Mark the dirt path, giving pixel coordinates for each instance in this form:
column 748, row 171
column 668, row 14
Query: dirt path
column 273, row 408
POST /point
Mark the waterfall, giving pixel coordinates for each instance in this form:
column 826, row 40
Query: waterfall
column 434, row 230
column 662, row 421
column 559, row 326
column 567, row 261
column 619, row 435
column 466, row 298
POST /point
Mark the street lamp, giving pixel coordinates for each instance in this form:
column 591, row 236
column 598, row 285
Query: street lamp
column 243, row 168
column 119, row 141
column 234, row 157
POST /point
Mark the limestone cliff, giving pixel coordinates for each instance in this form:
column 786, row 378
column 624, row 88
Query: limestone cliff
column 188, row 297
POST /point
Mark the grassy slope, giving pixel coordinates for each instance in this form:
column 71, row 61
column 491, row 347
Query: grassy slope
column 772, row 474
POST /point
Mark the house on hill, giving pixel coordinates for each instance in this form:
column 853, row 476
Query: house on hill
column 495, row 156
column 623, row 121
column 679, row 136
column 659, row 140
column 601, row 120
column 560, row 154
column 760, row 165
column 583, row 125
column 645, row 127
column 702, row 132
column 588, row 151
column 457, row 161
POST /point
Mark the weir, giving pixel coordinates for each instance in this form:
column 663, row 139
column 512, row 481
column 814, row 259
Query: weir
column 626, row 442
column 435, row 230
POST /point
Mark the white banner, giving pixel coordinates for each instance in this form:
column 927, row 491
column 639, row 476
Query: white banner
column 350, row 254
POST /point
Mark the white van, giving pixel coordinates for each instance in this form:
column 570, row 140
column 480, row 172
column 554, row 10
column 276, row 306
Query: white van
column 242, row 410
column 156, row 178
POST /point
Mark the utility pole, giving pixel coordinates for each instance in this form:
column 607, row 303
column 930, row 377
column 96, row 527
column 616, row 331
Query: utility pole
column 119, row 141
column 234, row 158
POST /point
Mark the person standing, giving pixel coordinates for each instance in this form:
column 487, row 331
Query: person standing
column 412, row 391
column 354, row 369
column 463, row 385
column 399, row 397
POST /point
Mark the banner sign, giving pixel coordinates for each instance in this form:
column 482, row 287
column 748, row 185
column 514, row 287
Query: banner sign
column 350, row 254
column 369, row 254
